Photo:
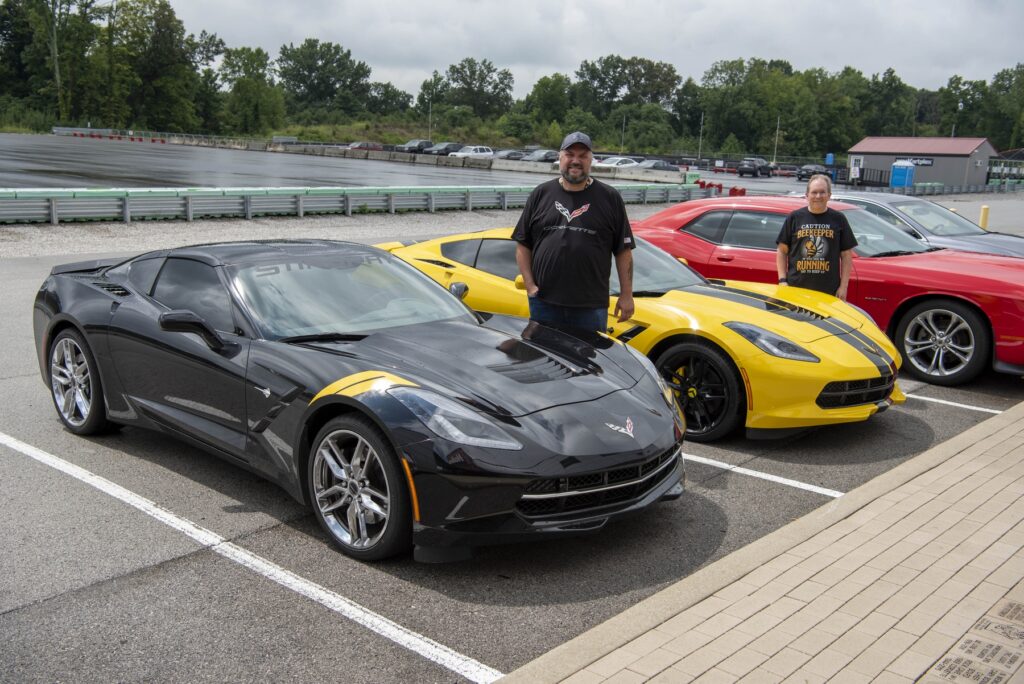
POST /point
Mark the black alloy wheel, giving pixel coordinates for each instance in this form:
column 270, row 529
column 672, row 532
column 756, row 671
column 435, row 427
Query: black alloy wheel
column 944, row 342
column 358, row 492
column 707, row 388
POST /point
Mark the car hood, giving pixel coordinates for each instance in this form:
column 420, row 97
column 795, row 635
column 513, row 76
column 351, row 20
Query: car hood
column 949, row 269
column 994, row 243
column 496, row 366
column 800, row 315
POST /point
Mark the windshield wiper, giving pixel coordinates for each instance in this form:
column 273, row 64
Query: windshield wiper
column 649, row 293
column 896, row 252
column 323, row 337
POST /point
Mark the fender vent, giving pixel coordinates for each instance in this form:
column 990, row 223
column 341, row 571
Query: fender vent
column 114, row 289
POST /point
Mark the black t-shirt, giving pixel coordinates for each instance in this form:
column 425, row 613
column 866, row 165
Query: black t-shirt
column 573, row 236
column 815, row 242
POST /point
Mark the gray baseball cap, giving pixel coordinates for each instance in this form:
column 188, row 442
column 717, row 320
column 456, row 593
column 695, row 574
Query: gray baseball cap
column 574, row 138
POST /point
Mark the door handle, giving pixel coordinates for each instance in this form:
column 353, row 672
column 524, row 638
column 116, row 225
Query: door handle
column 724, row 257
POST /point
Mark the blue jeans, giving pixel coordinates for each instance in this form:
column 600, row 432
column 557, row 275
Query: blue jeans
column 595, row 320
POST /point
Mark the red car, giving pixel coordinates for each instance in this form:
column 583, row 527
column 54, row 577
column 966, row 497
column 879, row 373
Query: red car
column 951, row 314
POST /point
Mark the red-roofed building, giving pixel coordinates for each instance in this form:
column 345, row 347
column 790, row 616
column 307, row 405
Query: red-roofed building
column 950, row 161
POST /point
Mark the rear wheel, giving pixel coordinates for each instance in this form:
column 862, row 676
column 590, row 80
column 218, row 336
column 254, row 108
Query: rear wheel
column 75, row 385
column 706, row 387
column 359, row 496
column 944, row 342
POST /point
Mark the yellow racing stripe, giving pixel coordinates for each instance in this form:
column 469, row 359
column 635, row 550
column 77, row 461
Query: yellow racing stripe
column 364, row 381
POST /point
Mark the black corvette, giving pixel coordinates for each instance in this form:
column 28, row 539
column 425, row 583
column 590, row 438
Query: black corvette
column 364, row 389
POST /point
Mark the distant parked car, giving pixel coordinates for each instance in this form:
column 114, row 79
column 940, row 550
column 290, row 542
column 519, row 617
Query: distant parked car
column 807, row 170
column 754, row 167
column 443, row 149
column 615, row 163
column 789, row 170
column 542, row 156
column 416, row 145
column 474, row 151
column 364, row 145
column 658, row 165
column 934, row 224
column 514, row 155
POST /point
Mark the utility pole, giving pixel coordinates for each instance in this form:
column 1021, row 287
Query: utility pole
column 778, row 120
column 700, row 140
column 622, row 140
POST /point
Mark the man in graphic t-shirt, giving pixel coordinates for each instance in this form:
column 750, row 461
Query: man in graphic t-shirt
column 816, row 244
column 569, row 230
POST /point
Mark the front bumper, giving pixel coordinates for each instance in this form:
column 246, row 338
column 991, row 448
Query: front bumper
column 579, row 507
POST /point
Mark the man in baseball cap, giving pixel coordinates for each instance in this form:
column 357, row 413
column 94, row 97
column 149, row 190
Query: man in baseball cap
column 569, row 228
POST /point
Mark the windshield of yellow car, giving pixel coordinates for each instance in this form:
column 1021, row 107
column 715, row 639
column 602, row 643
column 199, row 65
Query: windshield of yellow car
column 655, row 270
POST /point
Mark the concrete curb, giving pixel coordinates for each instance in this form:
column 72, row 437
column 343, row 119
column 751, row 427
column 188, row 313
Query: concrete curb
column 573, row 656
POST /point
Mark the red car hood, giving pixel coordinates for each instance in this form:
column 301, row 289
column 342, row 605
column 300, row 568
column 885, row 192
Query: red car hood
column 951, row 269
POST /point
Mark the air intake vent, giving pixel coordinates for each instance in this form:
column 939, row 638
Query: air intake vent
column 541, row 369
column 437, row 262
column 114, row 289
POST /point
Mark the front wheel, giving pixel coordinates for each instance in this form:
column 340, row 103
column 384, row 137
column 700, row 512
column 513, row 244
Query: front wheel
column 706, row 387
column 75, row 385
column 944, row 342
column 359, row 496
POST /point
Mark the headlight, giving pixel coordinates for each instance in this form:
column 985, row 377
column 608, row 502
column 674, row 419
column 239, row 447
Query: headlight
column 773, row 344
column 453, row 421
column 666, row 391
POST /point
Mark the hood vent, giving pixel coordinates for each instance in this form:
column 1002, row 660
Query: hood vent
column 540, row 369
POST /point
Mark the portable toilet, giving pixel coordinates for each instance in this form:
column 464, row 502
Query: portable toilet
column 902, row 174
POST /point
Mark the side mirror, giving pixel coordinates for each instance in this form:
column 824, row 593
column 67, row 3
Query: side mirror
column 460, row 290
column 190, row 322
column 520, row 283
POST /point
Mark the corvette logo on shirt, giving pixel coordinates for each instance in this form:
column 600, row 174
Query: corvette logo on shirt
column 565, row 212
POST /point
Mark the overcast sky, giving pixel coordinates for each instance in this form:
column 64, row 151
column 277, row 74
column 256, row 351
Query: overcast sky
column 403, row 41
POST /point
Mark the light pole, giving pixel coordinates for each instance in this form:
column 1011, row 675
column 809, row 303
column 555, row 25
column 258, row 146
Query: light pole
column 622, row 139
column 430, row 117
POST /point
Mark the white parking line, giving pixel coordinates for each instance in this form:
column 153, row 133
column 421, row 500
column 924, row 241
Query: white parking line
column 953, row 403
column 428, row 648
column 764, row 476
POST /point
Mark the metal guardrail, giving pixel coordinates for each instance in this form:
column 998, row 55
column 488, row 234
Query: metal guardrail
column 45, row 205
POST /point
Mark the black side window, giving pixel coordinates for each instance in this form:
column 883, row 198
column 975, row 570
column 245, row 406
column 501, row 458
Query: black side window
column 142, row 273
column 192, row 285
column 707, row 226
column 462, row 251
column 498, row 257
column 755, row 230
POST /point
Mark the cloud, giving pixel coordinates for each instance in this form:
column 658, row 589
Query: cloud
column 404, row 41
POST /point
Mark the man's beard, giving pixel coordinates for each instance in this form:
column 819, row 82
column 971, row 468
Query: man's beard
column 575, row 181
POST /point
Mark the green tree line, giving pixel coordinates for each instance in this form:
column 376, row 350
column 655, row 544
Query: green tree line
column 131, row 64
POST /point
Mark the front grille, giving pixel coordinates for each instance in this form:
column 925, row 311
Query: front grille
column 555, row 496
column 856, row 392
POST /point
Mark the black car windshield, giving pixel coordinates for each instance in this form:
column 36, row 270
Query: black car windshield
column 655, row 270
column 340, row 292
column 938, row 220
column 875, row 236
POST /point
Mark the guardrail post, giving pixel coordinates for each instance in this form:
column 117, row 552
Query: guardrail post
column 504, row 201
column 391, row 203
column 300, row 208
column 53, row 210
column 430, row 202
column 126, row 212
column 247, row 204
column 643, row 196
column 188, row 207
column 348, row 205
column 469, row 200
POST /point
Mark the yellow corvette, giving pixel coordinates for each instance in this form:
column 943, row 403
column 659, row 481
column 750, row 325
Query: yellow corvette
column 774, row 359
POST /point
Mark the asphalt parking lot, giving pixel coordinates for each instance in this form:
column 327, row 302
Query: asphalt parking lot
column 96, row 588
